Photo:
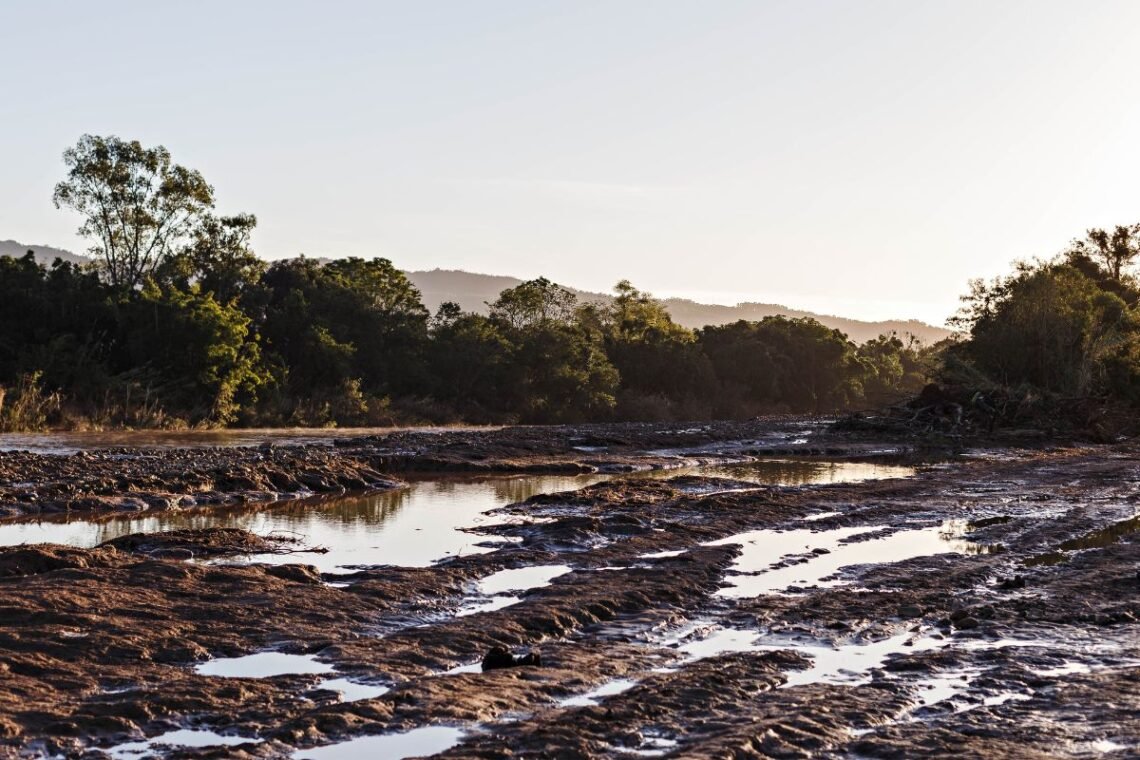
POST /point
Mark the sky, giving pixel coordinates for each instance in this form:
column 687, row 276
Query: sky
column 865, row 159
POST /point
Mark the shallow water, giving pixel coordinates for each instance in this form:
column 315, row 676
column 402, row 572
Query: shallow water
column 605, row 690
column 181, row 738
column 262, row 665
column 802, row 472
column 421, row 741
column 496, row 585
column 411, row 527
column 353, row 691
column 771, row 561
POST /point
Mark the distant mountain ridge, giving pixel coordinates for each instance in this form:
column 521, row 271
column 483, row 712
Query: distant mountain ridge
column 45, row 254
column 473, row 291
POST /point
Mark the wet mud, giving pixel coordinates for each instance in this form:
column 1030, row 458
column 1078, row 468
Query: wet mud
column 165, row 478
column 691, row 617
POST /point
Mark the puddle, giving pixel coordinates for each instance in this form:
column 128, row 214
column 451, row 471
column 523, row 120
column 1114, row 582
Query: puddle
column 719, row 641
column 1001, row 699
column 605, row 690
column 521, row 579
column 821, row 516
column 410, row 527
column 843, row 664
column 1097, row 539
column 475, row 667
column 1068, row 669
column 801, row 472
column 771, row 561
column 652, row 746
column 263, row 665
column 171, row 739
column 415, row 743
column 850, row 663
column 1105, row 746
column 942, row 687
column 490, row 605
column 353, row 691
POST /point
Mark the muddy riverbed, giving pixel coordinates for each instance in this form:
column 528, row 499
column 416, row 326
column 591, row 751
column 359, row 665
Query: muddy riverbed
column 983, row 605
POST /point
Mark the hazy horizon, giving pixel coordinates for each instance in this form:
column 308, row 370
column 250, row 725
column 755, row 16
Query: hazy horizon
column 861, row 159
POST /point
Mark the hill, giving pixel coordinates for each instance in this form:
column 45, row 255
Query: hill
column 45, row 254
column 473, row 291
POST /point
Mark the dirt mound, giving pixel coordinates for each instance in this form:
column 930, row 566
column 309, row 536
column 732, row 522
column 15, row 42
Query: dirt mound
column 45, row 558
column 208, row 542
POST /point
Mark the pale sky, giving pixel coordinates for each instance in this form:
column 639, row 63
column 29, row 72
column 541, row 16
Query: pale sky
column 859, row 158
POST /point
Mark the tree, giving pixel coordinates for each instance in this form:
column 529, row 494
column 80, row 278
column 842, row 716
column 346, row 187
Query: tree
column 199, row 353
column 1112, row 251
column 891, row 368
column 217, row 258
column 664, row 374
column 560, row 369
column 366, row 313
column 534, row 301
column 1051, row 326
column 778, row 363
column 138, row 206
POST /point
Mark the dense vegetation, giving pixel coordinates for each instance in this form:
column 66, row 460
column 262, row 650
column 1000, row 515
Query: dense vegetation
column 1057, row 342
column 177, row 322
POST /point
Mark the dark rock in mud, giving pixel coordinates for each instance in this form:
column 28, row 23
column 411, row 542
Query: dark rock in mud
column 500, row 657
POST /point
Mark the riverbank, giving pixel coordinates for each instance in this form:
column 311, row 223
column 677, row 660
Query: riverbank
column 985, row 606
column 116, row 478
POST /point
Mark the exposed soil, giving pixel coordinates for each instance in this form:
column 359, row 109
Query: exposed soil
column 137, row 479
column 1037, row 658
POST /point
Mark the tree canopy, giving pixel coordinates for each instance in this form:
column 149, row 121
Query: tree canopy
column 181, row 323
column 137, row 205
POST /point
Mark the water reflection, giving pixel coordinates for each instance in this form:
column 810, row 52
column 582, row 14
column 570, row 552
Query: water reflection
column 801, row 472
column 412, row 527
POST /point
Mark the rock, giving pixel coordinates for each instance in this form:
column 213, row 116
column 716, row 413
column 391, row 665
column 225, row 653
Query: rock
column 910, row 611
column 498, row 658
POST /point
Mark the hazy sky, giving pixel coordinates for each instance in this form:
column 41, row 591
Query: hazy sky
column 862, row 158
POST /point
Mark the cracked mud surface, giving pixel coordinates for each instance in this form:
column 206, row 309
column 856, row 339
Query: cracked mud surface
column 965, row 644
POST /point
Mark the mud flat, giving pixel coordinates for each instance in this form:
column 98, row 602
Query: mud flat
column 986, row 606
column 49, row 476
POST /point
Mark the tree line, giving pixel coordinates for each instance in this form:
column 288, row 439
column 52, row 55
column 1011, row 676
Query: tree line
column 176, row 322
